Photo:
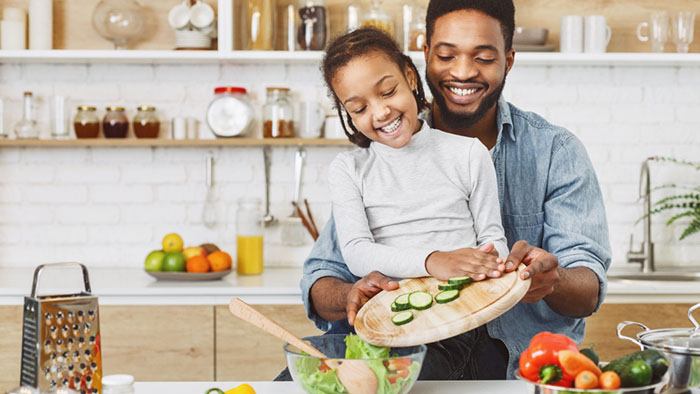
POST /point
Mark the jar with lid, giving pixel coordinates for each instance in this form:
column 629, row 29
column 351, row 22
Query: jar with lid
column 86, row 122
column 416, row 29
column 278, row 114
column 312, row 33
column 230, row 114
column 146, row 123
column 249, row 237
column 115, row 124
column 260, row 22
column 378, row 17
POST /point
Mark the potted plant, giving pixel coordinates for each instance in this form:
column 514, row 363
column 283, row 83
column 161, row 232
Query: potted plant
column 684, row 204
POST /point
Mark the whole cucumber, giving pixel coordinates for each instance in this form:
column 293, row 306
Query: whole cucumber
column 656, row 360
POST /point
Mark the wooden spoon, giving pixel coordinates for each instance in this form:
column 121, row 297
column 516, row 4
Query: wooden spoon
column 355, row 375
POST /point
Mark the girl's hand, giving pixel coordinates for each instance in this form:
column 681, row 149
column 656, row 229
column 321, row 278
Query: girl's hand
column 477, row 263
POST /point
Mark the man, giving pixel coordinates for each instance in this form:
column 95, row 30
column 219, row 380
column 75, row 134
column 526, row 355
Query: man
column 550, row 202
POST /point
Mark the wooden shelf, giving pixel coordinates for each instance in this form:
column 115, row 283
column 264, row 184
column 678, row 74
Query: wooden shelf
column 314, row 57
column 157, row 142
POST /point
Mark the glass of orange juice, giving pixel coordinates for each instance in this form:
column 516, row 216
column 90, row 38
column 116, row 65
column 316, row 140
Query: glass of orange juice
column 249, row 237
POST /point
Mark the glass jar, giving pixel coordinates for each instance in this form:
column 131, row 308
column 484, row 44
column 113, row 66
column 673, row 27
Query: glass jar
column 86, row 122
column 230, row 113
column 115, row 124
column 249, row 237
column 312, row 33
column 27, row 127
column 416, row 29
column 278, row 114
column 377, row 17
column 146, row 123
column 260, row 20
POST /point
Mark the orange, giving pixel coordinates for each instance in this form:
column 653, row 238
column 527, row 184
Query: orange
column 220, row 261
column 198, row 264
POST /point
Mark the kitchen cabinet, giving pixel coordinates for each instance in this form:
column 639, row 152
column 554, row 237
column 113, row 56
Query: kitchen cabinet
column 601, row 327
column 246, row 353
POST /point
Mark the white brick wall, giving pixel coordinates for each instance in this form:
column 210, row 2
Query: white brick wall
column 111, row 206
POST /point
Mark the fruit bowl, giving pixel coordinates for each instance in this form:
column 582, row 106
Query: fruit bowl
column 538, row 388
column 395, row 374
column 188, row 276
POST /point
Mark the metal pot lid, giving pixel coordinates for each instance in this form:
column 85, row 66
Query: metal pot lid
column 685, row 341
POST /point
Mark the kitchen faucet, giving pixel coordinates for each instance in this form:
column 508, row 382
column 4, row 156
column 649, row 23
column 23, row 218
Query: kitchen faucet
column 645, row 255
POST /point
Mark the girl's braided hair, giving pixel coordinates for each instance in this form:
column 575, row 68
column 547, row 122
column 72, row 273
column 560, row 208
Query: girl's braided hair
column 361, row 42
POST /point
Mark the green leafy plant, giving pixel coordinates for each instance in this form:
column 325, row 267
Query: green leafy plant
column 686, row 204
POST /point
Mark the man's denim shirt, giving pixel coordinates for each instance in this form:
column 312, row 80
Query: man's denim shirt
column 549, row 197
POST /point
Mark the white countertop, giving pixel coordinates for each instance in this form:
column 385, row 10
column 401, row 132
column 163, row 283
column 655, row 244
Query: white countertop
column 421, row 387
column 132, row 286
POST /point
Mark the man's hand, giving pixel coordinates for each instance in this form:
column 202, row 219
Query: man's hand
column 477, row 263
column 364, row 289
column 542, row 268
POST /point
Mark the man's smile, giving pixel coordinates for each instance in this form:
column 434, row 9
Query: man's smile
column 463, row 94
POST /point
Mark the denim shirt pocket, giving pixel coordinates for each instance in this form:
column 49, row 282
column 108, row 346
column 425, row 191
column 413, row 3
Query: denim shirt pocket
column 524, row 227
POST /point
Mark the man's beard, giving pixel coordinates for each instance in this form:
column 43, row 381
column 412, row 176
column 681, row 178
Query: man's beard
column 458, row 121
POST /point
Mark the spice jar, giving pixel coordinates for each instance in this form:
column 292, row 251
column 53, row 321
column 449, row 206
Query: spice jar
column 146, row 123
column 249, row 237
column 230, row 113
column 278, row 114
column 313, row 30
column 379, row 18
column 115, row 124
column 86, row 122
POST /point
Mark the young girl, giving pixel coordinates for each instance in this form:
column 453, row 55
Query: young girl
column 412, row 201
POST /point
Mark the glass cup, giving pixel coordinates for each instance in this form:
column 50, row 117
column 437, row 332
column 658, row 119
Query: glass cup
column 657, row 30
column 682, row 29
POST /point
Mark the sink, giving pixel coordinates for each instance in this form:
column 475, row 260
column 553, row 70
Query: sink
column 658, row 276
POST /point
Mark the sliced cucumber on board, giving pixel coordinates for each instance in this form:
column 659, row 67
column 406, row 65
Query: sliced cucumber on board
column 402, row 318
column 420, row 300
column 460, row 280
column 446, row 296
column 449, row 286
column 402, row 301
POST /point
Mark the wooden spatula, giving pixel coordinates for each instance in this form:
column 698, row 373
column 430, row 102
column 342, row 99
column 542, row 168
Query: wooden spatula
column 355, row 375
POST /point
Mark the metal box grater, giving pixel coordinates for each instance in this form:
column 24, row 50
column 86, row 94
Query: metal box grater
column 61, row 339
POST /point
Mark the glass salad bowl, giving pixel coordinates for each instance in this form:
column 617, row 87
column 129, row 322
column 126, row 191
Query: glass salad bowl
column 395, row 369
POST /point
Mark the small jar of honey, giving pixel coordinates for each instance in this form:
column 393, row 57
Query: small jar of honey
column 146, row 123
column 86, row 122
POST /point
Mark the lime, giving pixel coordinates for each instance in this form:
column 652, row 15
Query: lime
column 174, row 262
column 154, row 261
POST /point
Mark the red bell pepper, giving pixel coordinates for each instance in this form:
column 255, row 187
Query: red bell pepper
column 540, row 362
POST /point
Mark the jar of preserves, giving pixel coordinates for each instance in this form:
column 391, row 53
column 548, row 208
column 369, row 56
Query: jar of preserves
column 249, row 237
column 312, row 33
column 86, row 122
column 278, row 114
column 115, row 124
column 146, row 123
column 230, row 114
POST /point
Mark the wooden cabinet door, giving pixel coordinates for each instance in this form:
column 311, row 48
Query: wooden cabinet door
column 601, row 327
column 10, row 346
column 246, row 353
column 158, row 343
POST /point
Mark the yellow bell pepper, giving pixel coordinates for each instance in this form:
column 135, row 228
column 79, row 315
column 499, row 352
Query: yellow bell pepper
column 242, row 389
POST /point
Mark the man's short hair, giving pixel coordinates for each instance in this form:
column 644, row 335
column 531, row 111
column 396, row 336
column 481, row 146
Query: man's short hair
column 501, row 10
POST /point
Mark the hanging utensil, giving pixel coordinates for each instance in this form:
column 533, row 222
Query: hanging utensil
column 292, row 226
column 268, row 219
column 209, row 209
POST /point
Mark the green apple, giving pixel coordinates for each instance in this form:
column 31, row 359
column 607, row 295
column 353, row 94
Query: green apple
column 154, row 261
column 174, row 262
column 192, row 251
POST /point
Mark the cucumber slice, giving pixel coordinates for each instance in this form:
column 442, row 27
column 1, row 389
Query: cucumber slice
column 420, row 300
column 460, row 280
column 446, row 296
column 449, row 286
column 402, row 301
column 399, row 308
column 402, row 318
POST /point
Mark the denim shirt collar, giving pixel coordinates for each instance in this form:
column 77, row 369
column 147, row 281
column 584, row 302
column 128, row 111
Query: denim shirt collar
column 504, row 122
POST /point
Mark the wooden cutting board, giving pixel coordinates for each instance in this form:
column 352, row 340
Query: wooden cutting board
column 477, row 304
